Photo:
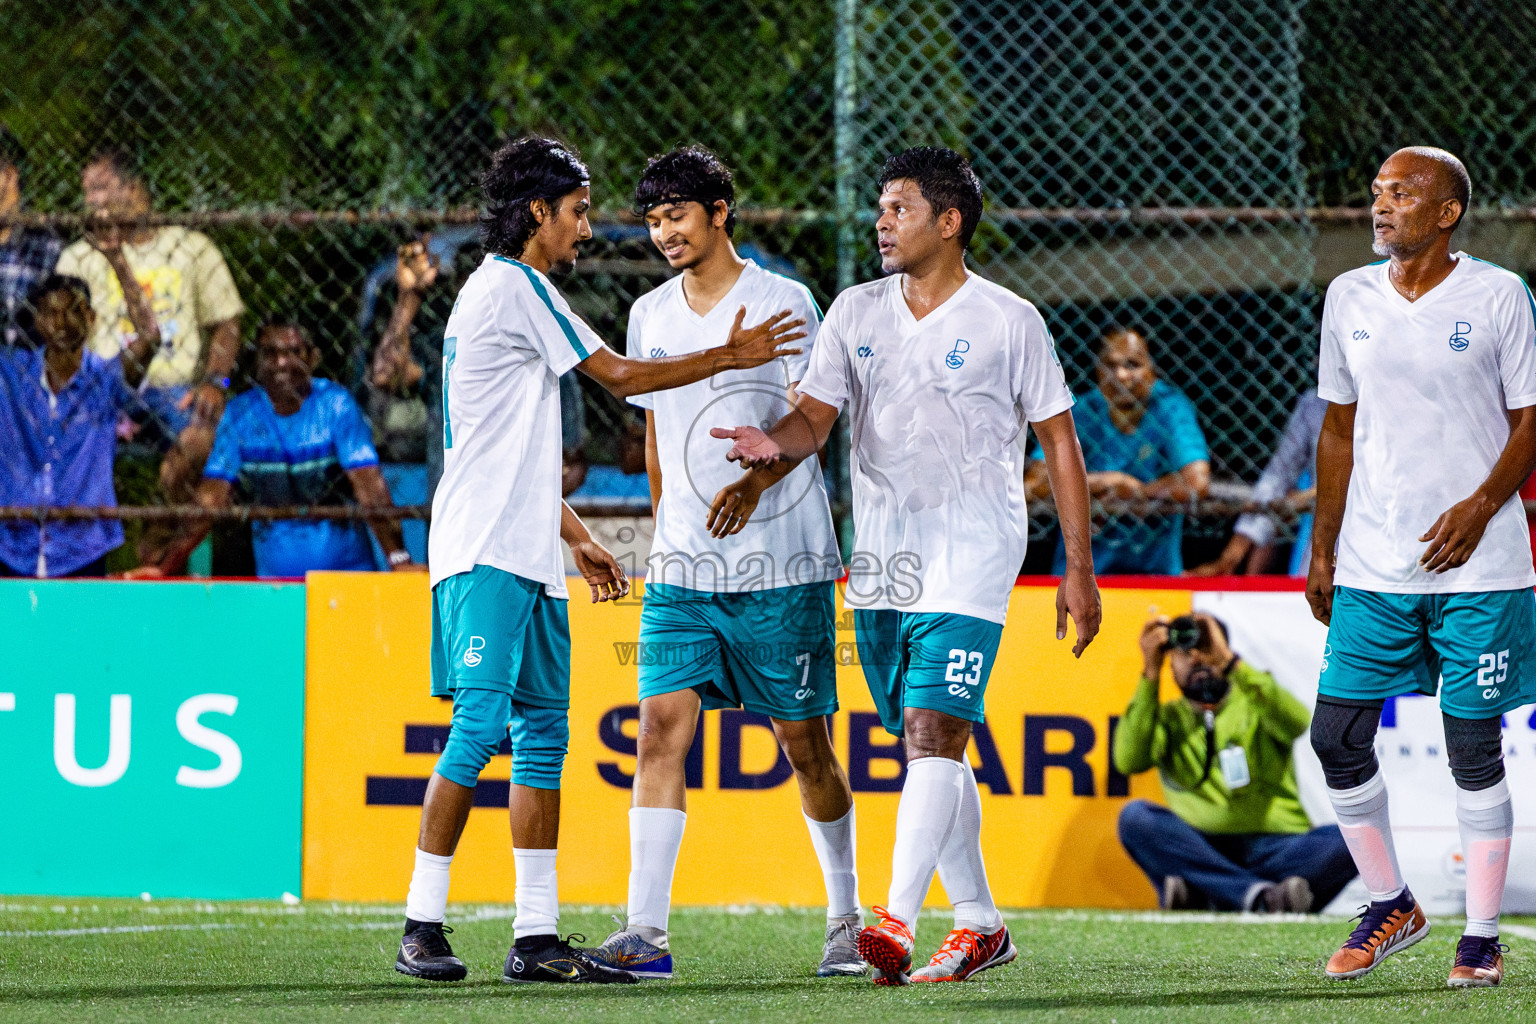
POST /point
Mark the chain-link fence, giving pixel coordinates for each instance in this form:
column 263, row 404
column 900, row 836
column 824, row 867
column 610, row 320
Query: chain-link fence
column 1195, row 171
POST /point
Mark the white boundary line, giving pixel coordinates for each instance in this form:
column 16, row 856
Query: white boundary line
column 119, row 930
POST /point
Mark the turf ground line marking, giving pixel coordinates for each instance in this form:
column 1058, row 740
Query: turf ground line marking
column 1520, row 930
column 119, row 930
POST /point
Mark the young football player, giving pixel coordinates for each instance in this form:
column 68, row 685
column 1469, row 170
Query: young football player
column 500, row 639
column 744, row 620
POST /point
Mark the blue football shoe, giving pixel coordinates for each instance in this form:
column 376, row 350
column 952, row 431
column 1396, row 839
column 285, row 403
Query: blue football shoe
column 626, row 951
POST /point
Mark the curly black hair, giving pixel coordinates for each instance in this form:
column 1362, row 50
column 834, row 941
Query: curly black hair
column 687, row 174
column 528, row 168
column 945, row 179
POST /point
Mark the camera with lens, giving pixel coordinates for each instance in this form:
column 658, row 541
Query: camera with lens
column 1185, row 633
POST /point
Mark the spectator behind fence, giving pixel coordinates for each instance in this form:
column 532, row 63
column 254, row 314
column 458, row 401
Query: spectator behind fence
column 408, row 363
column 27, row 255
column 1140, row 439
column 190, row 299
column 1234, row 835
column 294, row 439
column 59, row 404
column 1290, row 475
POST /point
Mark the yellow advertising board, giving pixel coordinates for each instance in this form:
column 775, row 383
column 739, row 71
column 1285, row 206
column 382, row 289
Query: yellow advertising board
column 1050, row 797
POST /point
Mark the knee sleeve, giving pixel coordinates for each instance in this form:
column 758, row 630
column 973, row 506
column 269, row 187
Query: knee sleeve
column 540, row 737
column 479, row 728
column 1344, row 738
column 1476, row 750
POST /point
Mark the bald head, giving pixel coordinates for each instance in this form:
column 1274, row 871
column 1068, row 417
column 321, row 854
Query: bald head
column 1449, row 174
column 1418, row 198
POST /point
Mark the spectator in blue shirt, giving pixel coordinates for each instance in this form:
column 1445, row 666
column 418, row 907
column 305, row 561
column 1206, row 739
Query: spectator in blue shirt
column 294, row 439
column 59, row 405
column 1140, row 439
column 27, row 255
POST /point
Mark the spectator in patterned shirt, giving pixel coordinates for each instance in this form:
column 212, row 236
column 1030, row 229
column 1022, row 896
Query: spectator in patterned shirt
column 191, row 302
column 27, row 255
column 294, row 439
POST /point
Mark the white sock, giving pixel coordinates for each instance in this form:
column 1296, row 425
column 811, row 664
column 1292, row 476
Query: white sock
column 538, row 899
column 1362, row 813
column 834, row 843
column 427, row 898
column 930, row 802
column 961, row 868
column 655, row 837
column 1487, row 821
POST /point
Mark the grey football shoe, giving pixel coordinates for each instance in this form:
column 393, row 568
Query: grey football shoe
column 840, row 957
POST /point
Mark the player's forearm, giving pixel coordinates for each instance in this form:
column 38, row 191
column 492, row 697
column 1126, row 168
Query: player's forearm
column 1069, row 484
column 800, row 434
column 1516, row 462
column 624, row 377
column 572, row 530
column 652, row 463
column 1335, row 465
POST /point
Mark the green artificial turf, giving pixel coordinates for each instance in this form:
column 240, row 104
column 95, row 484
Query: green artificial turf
column 106, row 960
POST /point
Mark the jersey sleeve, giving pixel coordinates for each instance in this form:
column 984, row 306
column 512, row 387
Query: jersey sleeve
column 802, row 307
column 634, row 348
column 1334, row 381
column 828, row 376
column 350, row 434
column 559, row 335
column 1040, row 386
column 1517, row 349
column 224, row 461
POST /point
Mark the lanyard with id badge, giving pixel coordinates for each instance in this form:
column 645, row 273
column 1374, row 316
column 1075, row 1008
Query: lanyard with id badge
column 1232, row 758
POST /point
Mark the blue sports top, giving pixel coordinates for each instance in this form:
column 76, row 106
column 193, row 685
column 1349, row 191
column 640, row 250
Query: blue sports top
column 297, row 460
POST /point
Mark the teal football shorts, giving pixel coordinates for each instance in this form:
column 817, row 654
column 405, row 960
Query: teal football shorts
column 768, row 651
column 1477, row 649
column 934, row 660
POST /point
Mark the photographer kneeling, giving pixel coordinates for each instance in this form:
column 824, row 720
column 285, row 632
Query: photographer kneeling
column 1234, row 835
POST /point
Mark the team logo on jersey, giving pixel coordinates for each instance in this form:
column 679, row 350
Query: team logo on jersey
column 472, row 656
column 1361, row 335
column 657, row 353
column 1459, row 340
column 954, row 360
column 865, row 351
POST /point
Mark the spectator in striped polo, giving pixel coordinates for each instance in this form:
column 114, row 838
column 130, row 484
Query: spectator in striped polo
column 27, row 255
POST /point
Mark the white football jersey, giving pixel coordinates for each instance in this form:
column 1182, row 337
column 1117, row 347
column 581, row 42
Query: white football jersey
column 1433, row 380
column 789, row 539
column 937, row 406
column 509, row 338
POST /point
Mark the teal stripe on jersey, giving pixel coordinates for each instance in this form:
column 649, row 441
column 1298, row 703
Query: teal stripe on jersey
column 543, row 293
column 1528, row 297
column 450, row 353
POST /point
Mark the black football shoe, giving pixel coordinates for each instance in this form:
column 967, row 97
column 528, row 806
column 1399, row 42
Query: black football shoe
column 425, row 953
column 551, row 958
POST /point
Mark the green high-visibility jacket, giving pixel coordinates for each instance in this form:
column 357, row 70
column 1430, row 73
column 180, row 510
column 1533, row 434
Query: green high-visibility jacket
column 1257, row 715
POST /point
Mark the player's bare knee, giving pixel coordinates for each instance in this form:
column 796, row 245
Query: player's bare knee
column 807, row 746
column 934, row 734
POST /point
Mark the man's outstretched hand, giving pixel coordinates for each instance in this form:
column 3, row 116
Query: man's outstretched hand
column 753, row 448
column 747, row 347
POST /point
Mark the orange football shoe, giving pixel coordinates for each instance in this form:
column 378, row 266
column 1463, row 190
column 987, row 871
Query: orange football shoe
column 964, row 953
column 887, row 947
column 1385, row 927
column 1479, row 963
